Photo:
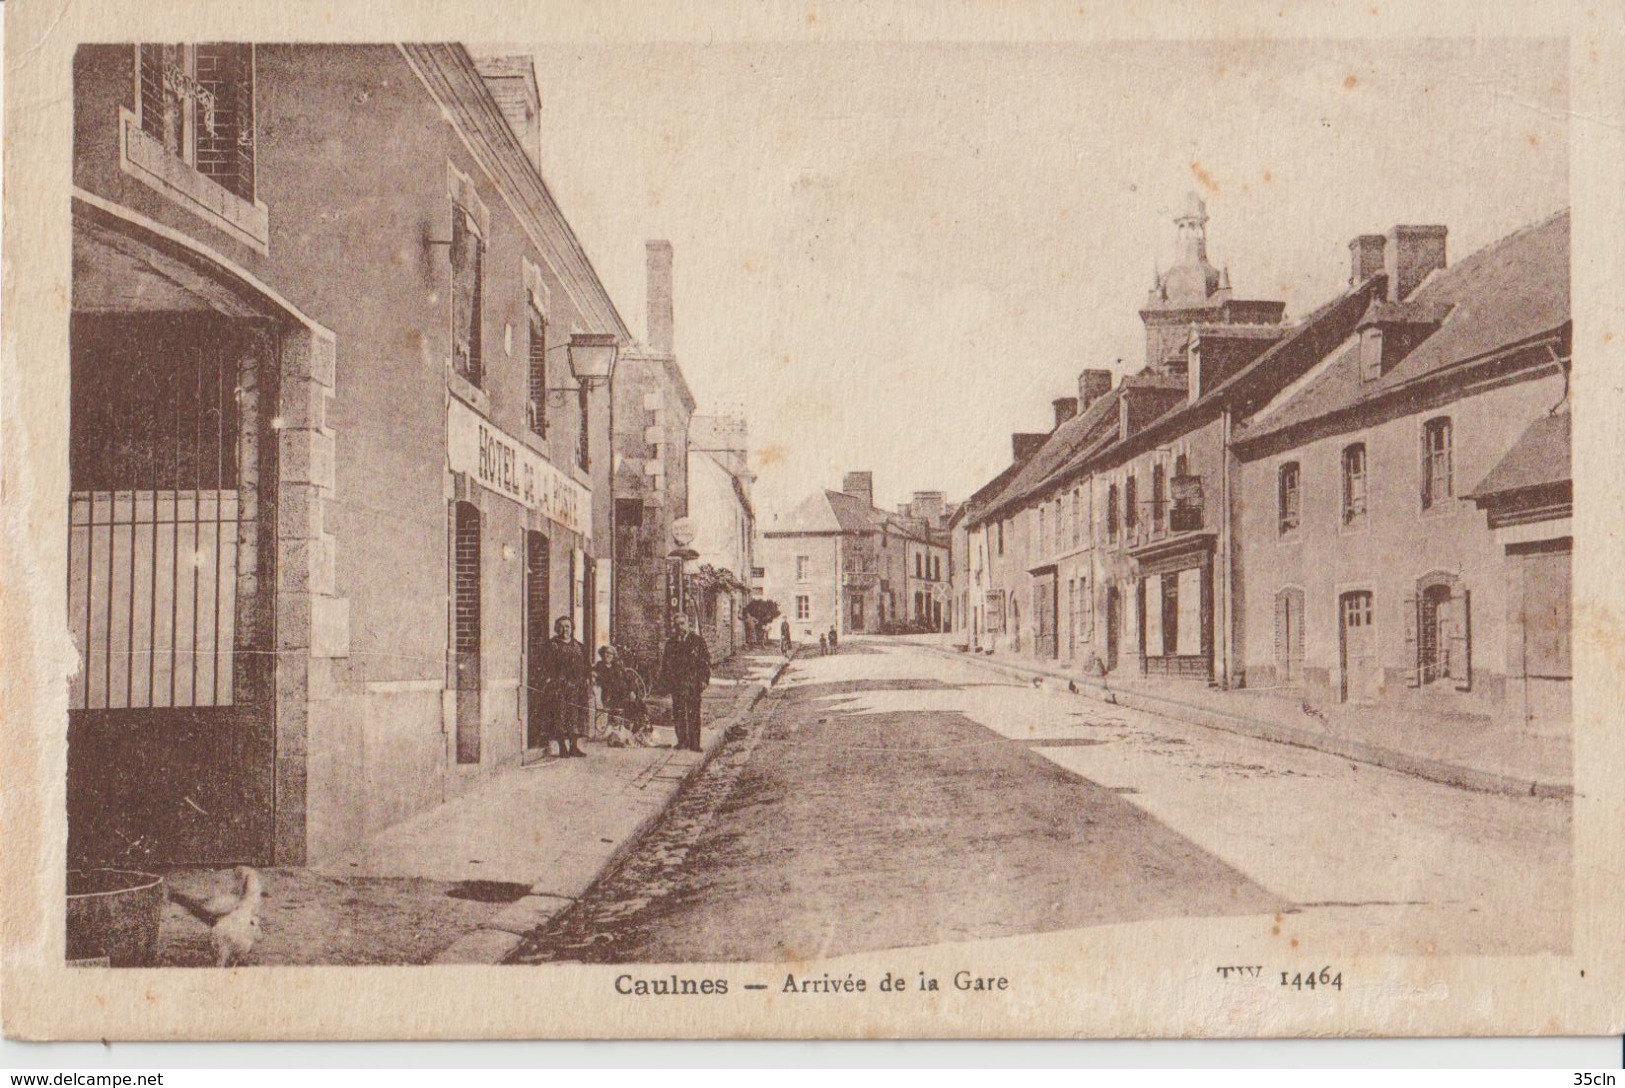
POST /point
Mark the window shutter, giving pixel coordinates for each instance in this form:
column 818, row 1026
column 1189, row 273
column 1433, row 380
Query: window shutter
column 1413, row 676
column 1295, row 605
column 1282, row 632
column 1461, row 642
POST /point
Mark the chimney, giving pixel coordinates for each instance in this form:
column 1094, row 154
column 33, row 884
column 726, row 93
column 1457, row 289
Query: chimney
column 1365, row 257
column 1413, row 252
column 860, row 485
column 1065, row 409
column 1024, row 445
column 1092, row 385
column 660, row 312
column 512, row 83
column 929, row 505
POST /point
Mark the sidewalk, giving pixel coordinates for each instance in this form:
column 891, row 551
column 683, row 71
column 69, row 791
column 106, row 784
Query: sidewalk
column 462, row 882
column 1465, row 751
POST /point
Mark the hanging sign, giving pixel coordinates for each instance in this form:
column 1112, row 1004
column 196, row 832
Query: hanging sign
column 505, row 465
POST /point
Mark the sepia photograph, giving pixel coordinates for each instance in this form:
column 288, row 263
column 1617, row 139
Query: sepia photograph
column 861, row 535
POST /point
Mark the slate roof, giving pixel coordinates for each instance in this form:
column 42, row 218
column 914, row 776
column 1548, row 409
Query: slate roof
column 1077, row 435
column 1507, row 293
column 1541, row 457
column 837, row 512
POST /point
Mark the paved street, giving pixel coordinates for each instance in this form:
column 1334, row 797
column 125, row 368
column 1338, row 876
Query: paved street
column 891, row 796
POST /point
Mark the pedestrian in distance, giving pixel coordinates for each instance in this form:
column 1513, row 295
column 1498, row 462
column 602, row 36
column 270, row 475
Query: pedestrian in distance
column 685, row 670
column 784, row 638
column 834, row 640
column 567, row 691
column 823, row 645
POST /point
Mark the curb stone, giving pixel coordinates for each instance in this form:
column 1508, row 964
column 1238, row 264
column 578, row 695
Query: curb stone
column 1433, row 770
column 494, row 941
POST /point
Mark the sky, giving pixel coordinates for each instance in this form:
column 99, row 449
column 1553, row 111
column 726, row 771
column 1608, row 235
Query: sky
column 891, row 256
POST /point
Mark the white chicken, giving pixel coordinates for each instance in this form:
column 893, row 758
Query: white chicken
column 232, row 915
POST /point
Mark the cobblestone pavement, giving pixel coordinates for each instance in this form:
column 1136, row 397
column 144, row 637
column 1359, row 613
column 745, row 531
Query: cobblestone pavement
column 826, row 828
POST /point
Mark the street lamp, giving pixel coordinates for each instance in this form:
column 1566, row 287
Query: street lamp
column 592, row 360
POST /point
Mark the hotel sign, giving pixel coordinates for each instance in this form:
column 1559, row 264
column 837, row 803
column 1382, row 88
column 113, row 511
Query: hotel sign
column 505, row 465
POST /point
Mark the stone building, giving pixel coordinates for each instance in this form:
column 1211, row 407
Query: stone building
column 653, row 409
column 339, row 431
column 724, row 523
column 1404, row 513
column 839, row 561
column 1369, row 504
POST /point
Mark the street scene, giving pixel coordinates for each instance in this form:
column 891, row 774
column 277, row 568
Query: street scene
column 490, row 542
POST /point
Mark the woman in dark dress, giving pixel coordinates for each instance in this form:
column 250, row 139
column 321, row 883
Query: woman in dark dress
column 568, row 691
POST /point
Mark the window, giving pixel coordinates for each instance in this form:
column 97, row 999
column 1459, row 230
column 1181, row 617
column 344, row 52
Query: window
column 536, row 407
column 1287, row 501
column 1370, row 353
column 1437, row 484
column 1001, row 536
column 1038, row 544
column 1077, row 516
column 803, row 607
column 802, row 563
column 1159, row 486
column 198, row 102
column 1111, row 512
column 467, row 303
column 1354, row 484
column 466, row 628
column 629, row 513
column 1356, row 610
column 1131, row 512
column 918, row 573
column 584, row 439
column 936, row 568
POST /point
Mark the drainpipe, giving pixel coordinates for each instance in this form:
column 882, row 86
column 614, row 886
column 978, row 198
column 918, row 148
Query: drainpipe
column 1223, row 604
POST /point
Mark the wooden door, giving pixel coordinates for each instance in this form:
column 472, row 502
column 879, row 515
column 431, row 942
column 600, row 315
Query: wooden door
column 1359, row 647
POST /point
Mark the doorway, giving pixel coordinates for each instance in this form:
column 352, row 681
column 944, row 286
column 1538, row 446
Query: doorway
column 172, row 474
column 1114, row 626
column 537, row 611
column 1358, row 642
column 1289, row 636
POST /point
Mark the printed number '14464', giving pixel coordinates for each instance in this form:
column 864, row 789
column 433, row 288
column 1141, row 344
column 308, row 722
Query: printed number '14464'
column 1311, row 980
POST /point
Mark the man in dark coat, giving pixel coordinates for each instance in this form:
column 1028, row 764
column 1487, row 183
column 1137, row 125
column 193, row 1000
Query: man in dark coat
column 685, row 670
column 567, row 691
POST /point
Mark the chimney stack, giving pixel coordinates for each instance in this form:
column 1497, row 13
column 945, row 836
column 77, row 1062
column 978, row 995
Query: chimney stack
column 1365, row 257
column 1413, row 253
column 1065, row 409
column 512, row 83
column 1092, row 385
column 860, row 485
column 660, row 309
column 1024, row 445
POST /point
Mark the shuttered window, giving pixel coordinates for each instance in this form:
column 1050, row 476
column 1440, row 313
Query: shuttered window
column 1159, row 497
column 1437, row 471
column 536, row 407
column 1288, row 499
column 1354, row 484
column 467, row 295
column 1289, row 636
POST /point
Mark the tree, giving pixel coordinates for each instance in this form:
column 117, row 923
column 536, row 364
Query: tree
column 762, row 611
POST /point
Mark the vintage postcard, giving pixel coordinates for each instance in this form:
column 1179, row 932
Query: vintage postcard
column 812, row 520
